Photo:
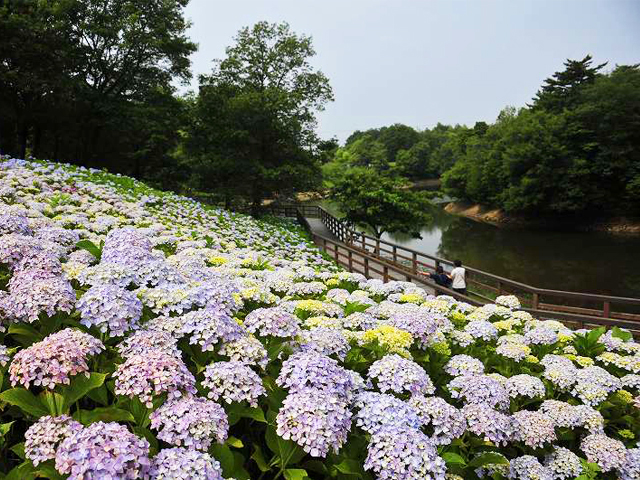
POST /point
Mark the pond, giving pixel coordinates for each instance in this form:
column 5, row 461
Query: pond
column 590, row 262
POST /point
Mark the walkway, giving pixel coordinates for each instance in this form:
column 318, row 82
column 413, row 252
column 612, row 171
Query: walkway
column 348, row 257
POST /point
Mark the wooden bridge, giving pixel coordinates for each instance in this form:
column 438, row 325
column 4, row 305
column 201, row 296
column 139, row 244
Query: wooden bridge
column 375, row 258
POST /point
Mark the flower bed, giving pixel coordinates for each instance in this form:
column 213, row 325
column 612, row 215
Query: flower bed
column 145, row 335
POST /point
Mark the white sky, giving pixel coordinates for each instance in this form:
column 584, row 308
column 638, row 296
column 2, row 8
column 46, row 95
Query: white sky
column 422, row 61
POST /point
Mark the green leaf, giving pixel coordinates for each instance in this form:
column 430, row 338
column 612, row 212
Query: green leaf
column 595, row 334
column 99, row 395
column 224, row 455
column 24, row 400
column 258, row 457
column 349, row 467
column 90, row 247
column 619, row 333
column 235, row 442
column 24, row 333
column 239, row 471
column 287, row 451
column 106, row 414
column 254, row 413
column 295, row 474
column 151, row 438
column 453, row 459
column 18, row 449
column 54, row 402
column 488, row 458
column 4, row 428
column 80, row 386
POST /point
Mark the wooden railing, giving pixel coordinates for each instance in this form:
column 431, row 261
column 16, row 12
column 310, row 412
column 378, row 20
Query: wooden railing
column 483, row 287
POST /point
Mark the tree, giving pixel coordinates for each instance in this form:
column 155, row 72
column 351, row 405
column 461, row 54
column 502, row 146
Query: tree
column 254, row 119
column 562, row 89
column 381, row 203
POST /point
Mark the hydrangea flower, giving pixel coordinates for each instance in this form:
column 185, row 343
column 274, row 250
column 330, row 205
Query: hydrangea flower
column 608, row 453
column 527, row 467
column 630, row 469
column 481, row 329
column 480, row 389
column 447, row 421
column 404, row 455
column 541, row 336
column 593, row 385
column 144, row 341
column 181, row 463
column 326, row 341
column 315, row 420
column 489, row 424
column 379, row 411
column 509, row 301
column 526, row 386
column 110, row 308
column 247, row 350
column 103, row 450
column 399, row 375
column 464, row 365
column 233, row 381
column 43, row 438
column 534, row 429
column 514, row 351
column 55, row 359
column 563, row 463
column 190, row 422
column 153, row 373
column 4, row 354
column 211, row 326
column 305, row 370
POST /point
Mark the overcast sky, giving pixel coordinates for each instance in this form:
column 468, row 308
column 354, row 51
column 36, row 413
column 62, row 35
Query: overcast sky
column 420, row 62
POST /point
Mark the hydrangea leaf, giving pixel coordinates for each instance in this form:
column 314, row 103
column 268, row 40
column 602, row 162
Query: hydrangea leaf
column 25, row 400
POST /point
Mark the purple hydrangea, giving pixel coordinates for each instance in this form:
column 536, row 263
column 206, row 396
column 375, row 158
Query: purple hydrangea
column 464, row 365
column 181, row 463
column 527, row 467
column 379, row 411
column 480, row 389
column 594, row 384
column 447, row 421
column 111, row 308
column 272, row 322
column 534, row 429
column 10, row 223
column 190, row 422
column 524, row 385
column 327, row 341
column 305, row 370
column 247, row 350
column 514, row 351
column 541, row 336
column 4, row 355
column 233, row 381
column 563, row 463
column 489, row 424
column 153, row 373
column 43, row 438
column 55, row 359
column 608, row 453
column 481, row 329
column 404, row 455
column 103, row 450
column 315, row 420
column 211, row 326
column 399, row 375
column 630, row 469
column 144, row 341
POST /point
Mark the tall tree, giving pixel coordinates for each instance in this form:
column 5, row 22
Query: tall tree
column 562, row 89
column 256, row 114
column 381, row 203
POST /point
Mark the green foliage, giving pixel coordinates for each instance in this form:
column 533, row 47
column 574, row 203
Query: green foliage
column 380, row 202
column 254, row 118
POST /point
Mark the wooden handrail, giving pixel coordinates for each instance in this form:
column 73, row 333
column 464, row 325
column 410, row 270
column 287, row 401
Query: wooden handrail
column 372, row 248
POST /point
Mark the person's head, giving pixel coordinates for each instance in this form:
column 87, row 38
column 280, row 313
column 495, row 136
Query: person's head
column 439, row 269
column 457, row 263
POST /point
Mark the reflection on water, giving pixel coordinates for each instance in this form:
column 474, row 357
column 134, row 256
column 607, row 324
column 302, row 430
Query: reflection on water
column 576, row 261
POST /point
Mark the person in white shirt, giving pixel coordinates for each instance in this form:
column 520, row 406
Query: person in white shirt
column 458, row 277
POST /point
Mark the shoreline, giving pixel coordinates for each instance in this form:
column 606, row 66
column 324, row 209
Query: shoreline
column 618, row 225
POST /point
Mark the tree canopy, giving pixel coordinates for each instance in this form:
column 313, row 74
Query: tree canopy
column 253, row 129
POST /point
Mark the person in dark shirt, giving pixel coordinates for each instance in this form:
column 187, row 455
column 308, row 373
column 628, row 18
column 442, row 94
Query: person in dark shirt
column 440, row 277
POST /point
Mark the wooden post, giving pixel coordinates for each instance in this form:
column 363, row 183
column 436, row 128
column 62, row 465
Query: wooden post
column 606, row 310
column 395, row 254
column 336, row 253
column 415, row 263
column 366, row 266
column 350, row 261
column 364, row 245
column 535, row 301
column 500, row 288
column 385, row 274
column 324, row 244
